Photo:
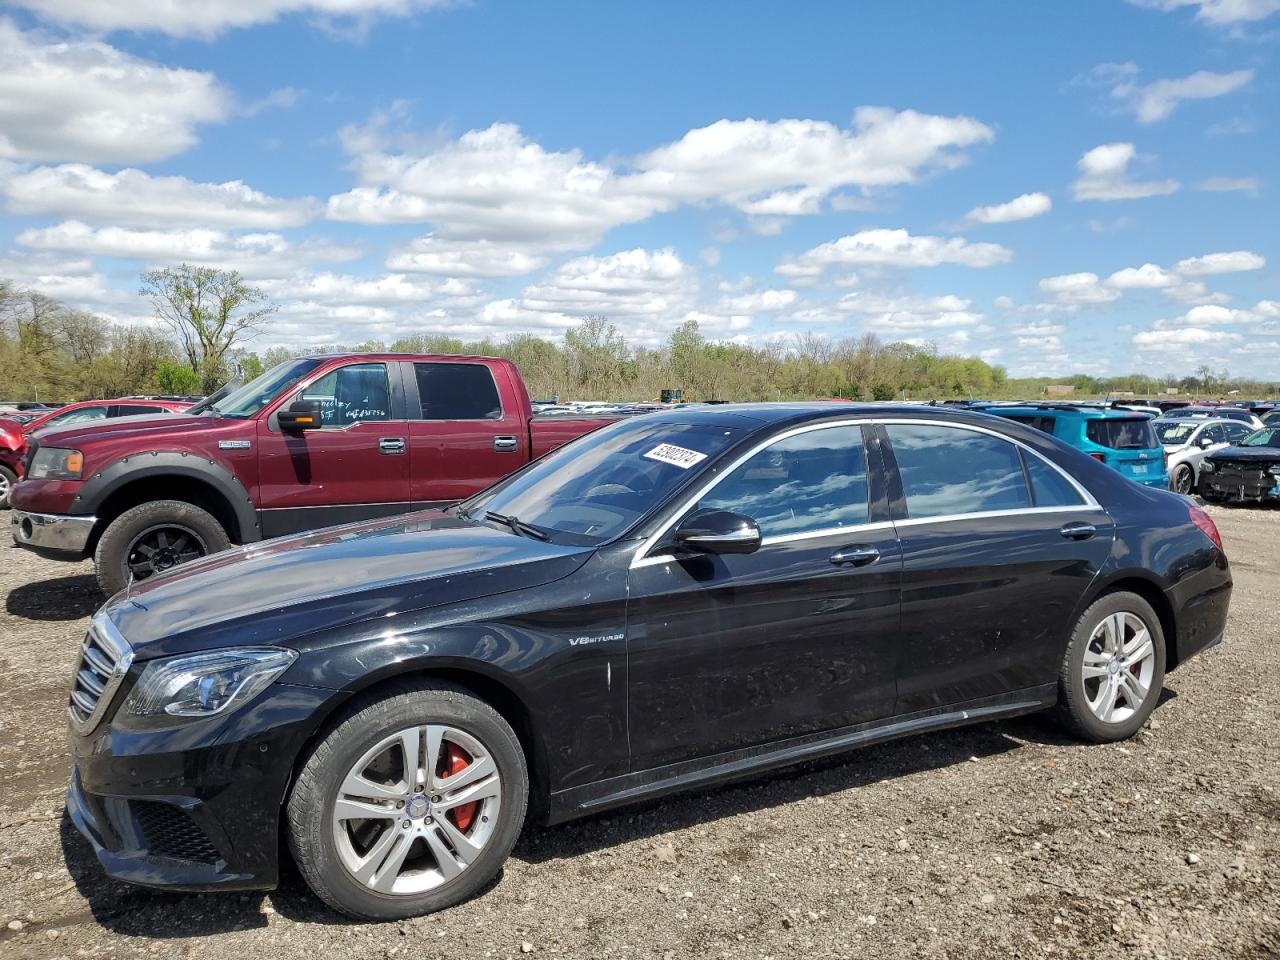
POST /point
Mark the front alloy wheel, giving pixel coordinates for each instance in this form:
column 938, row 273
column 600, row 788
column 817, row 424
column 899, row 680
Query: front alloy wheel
column 1112, row 671
column 410, row 803
column 1183, row 479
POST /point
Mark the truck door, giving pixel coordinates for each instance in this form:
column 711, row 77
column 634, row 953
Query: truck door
column 356, row 466
column 462, row 436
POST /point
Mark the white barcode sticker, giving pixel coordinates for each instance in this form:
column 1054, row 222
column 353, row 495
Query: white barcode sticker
column 676, row 456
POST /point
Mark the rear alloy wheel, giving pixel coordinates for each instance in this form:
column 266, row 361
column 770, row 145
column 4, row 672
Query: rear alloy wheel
column 1184, row 480
column 409, row 805
column 1113, row 670
column 7, row 479
column 152, row 538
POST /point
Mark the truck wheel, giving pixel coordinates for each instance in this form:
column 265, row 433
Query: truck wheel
column 410, row 804
column 152, row 538
column 7, row 479
column 1113, row 670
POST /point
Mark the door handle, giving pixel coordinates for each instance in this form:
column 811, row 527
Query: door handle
column 505, row 444
column 391, row 445
column 1078, row 531
column 858, row 556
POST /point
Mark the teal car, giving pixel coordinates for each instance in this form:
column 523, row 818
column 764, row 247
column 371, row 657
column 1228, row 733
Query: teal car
column 1122, row 439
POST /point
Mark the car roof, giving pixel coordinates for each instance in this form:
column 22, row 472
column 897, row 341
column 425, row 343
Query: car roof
column 780, row 414
column 1061, row 409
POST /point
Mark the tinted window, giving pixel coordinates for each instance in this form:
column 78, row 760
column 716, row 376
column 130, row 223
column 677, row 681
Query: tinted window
column 1215, row 432
column 812, row 481
column 82, row 415
column 355, row 394
column 1040, row 423
column 948, row 470
column 457, row 391
column 1135, row 434
column 1049, row 488
column 1235, row 431
column 137, row 410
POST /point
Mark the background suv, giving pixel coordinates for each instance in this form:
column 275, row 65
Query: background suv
column 1121, row 439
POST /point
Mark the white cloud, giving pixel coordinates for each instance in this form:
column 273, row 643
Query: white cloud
column 1019, row 208
column 208, row 18
column 1146, row 277
column 1234, row 261
column 131, row 197
column 498, row 185
column 1228, row 184
column 254, row 254
column 759, row 301
column 465, row 258
column 1077, row 289
column 280, row 99
column 1172, row 341
column 652, row 284
column 392, row 288
column 1219, row 12
column 1104, row 175
column 87, row 101
column 892, row 315
column 1156, row 101
column 895, row 248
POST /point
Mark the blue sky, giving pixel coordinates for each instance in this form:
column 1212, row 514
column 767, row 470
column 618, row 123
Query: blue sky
column 1052, row 186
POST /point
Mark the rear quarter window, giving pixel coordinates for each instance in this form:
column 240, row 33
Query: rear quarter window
column 950, row 470
column 1122, row 434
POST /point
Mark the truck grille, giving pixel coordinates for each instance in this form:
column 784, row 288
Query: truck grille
column 104, row 660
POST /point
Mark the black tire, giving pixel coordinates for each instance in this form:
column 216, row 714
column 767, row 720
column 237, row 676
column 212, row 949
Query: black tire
column 205, row 535
column 1073, row 708
column 1183, row 480
column 308, row 809
column 7, row 479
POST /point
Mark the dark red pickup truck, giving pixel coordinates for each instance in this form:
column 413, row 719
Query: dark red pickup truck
column 312, row 442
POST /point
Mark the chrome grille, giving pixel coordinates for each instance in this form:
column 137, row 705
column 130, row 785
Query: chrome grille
column 104, row 660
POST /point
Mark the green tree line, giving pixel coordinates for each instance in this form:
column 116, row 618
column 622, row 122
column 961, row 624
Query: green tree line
column 205, row 319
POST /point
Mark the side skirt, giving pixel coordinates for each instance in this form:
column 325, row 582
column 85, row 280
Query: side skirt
column 738, row 764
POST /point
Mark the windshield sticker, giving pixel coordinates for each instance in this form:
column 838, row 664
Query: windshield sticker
column 676, row 456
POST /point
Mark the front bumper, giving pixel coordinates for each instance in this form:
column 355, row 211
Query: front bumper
column 193, row 807
column 1239, row 486
column 50, row 533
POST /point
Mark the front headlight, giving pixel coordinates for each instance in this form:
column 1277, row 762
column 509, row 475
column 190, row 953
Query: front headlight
column 1274, row 469
column 53, row 463
column 1207, row 466
column 200, row 685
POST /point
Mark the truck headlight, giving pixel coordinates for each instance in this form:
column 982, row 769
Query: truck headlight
column 54, row 463
column 200, row 685
column 1207, row 466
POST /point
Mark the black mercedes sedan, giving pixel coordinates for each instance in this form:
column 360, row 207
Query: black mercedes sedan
column 675, row 600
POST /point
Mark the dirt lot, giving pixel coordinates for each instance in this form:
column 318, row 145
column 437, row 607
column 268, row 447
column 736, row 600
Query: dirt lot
column 1000, row 840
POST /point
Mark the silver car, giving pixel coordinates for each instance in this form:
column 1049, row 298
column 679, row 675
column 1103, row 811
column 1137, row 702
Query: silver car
column 1186, row 441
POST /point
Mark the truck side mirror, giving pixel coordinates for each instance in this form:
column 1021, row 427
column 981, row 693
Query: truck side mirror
column 301, row 415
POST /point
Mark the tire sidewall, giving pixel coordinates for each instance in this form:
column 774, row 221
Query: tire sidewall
column 310, row 809
column 1071, row 682
column 110, row 557
column 12, row 477
column 1180, row 471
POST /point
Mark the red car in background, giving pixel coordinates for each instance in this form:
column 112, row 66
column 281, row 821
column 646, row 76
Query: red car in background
column 14, row 432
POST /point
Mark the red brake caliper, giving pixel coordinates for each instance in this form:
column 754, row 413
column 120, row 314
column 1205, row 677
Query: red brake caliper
column 455, row 761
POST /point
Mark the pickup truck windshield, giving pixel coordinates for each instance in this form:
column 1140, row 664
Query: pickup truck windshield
column 593, row 488
column 258, row 392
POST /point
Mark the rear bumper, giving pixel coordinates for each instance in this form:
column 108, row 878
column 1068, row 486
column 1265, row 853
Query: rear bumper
column 55, row 535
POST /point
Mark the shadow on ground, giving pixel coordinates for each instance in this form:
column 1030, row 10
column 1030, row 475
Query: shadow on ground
column 66, row 598
column 142, row 913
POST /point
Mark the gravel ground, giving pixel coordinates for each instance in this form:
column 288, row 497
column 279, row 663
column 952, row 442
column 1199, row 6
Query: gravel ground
column 1001, row 840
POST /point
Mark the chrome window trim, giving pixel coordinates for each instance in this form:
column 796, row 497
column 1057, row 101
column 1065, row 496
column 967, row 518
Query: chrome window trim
column 641, row 558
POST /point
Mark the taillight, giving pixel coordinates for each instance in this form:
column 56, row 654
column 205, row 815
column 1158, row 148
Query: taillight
column 1206, row 525
column 1100, row 457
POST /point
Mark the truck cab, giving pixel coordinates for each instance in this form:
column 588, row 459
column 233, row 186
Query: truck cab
column 312, row 442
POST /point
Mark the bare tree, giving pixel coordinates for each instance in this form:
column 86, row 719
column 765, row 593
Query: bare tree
column 210, row 311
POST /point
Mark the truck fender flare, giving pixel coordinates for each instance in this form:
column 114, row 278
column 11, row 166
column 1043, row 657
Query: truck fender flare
column 171, row 463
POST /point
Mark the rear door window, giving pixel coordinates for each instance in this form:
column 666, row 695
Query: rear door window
column 457, row 391
column 949, row 470
column 1122, row 434
column 1235, row 432
column 816, row 480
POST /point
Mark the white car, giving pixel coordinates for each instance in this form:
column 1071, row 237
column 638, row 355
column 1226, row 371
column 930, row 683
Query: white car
column 1186, row 440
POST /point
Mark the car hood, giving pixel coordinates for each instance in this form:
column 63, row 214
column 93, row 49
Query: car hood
column 158, row 424
column 1259, row 454
column 280, row 590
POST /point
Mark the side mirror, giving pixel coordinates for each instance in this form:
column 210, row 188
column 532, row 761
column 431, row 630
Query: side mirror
column 1206, row 441
column 301, row 415
column 718, row 531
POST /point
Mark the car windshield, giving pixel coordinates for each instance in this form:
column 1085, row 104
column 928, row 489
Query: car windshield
column 1174, row 434
column 594, row 488
column 1126, row 434
column 258, row 392
column 1266, row 437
